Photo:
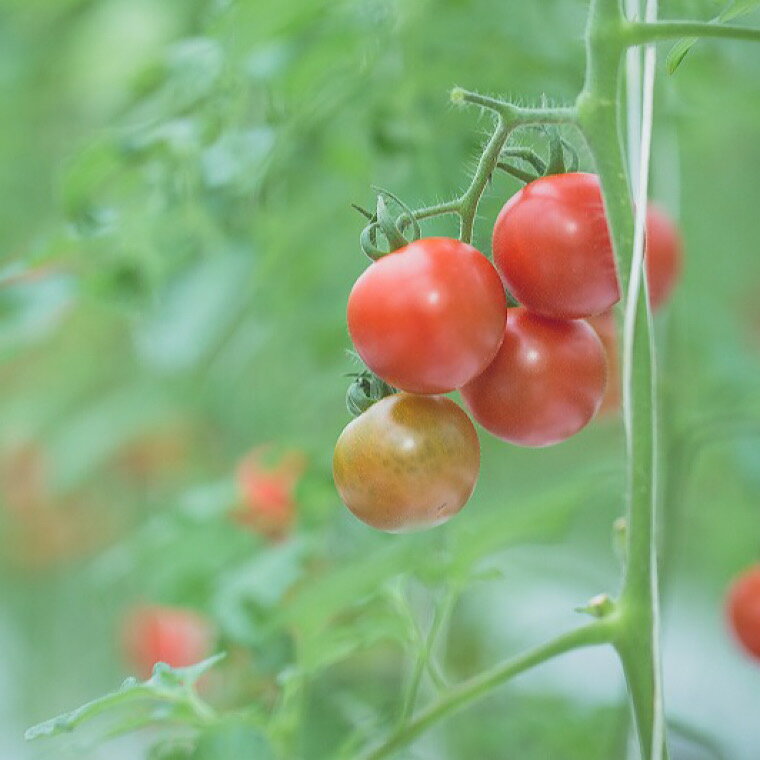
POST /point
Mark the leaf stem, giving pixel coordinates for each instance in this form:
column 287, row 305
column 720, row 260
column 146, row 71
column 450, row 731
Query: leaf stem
column 641, row 33
column 598, row 632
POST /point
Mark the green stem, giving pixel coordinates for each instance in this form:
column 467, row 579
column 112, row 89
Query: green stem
column 526, row 154
column 520, row 174
column 637, row 643
column 598, row 632
column 483, row 172
column 642, row 33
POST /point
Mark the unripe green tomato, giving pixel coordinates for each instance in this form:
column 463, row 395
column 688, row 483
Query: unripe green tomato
column 409, row 462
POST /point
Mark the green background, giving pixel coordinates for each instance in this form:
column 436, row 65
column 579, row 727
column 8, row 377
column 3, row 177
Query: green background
column 177, row 246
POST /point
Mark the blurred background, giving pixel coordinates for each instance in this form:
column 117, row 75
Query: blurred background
column 177, row 245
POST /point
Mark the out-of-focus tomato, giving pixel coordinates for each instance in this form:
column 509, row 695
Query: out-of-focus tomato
column 267, row 491
column 743, row 610
column 664, row 255
column 605, row 327
column 173, row 635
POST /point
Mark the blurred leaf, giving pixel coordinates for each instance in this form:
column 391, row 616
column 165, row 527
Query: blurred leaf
column 233, row 740
column 168, row 687
column 681, row 48
column 471, row 539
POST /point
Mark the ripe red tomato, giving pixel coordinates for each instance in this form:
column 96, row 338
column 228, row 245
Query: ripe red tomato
column 428, row 317
column 176, row 636
column 408, row 462
column 743, row 609
column 545, row 384
column 664, row 255
column 267, row 492
column 605, row 328
column 552, row 247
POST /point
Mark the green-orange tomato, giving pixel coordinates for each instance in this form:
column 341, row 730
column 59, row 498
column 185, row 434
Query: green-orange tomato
column 409, row 462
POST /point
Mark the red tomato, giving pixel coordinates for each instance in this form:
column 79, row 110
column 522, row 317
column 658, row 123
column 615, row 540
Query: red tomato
column 267, row 492
column 428, row 317
column 408, row 462
column 176, row 636
column 552, row 247
column 664, row 255
column 743, row 609
column 605, row 328
column 545, row 384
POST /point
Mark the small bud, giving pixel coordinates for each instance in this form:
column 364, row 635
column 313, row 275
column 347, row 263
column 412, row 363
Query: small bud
column 457, row 95
column 600, row 606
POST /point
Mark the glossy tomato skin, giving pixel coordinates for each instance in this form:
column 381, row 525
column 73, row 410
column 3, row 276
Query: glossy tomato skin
column 605, row 327
column 428, row 317
column 552, row 247
column 545, row 384
column 173, row 635
column 409, row 462
column 664, row 255
column 743, row 610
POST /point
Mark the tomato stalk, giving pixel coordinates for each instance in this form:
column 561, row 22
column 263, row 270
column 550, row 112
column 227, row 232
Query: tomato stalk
column 598, row 632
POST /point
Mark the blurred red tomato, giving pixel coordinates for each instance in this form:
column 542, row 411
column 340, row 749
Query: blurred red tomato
column 743, row 610
column 267, row 491
column 605, row 328
column 176, row 636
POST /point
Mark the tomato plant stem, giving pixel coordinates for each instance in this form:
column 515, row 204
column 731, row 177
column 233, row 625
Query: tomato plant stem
column 598, row 632
column 642, row 33
column 637, row 642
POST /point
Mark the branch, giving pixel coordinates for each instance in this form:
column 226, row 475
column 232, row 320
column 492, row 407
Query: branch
column 598, row 632
column 642, row 33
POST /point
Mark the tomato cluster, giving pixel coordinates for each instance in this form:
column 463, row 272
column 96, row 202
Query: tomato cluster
column 433, row 317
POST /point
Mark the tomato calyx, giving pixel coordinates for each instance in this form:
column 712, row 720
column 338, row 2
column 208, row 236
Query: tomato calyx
column 392, row 227
column 365, row 390
column 562, row 158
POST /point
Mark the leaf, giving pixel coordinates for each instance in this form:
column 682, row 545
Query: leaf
column 167, row 686
column 735, row 9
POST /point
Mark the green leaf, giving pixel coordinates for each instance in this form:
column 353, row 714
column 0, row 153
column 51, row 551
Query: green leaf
column 169, row 687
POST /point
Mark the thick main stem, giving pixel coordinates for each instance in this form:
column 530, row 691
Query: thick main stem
column 599, row 117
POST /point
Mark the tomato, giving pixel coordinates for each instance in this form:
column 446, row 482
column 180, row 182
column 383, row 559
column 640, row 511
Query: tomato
column 552, row 247
column 664, row 255
column 176, row 636
column 545, row 384
column 267, row 492
column 408, row 462
column 428, row 317
column 604, row 326
column 743, row 610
